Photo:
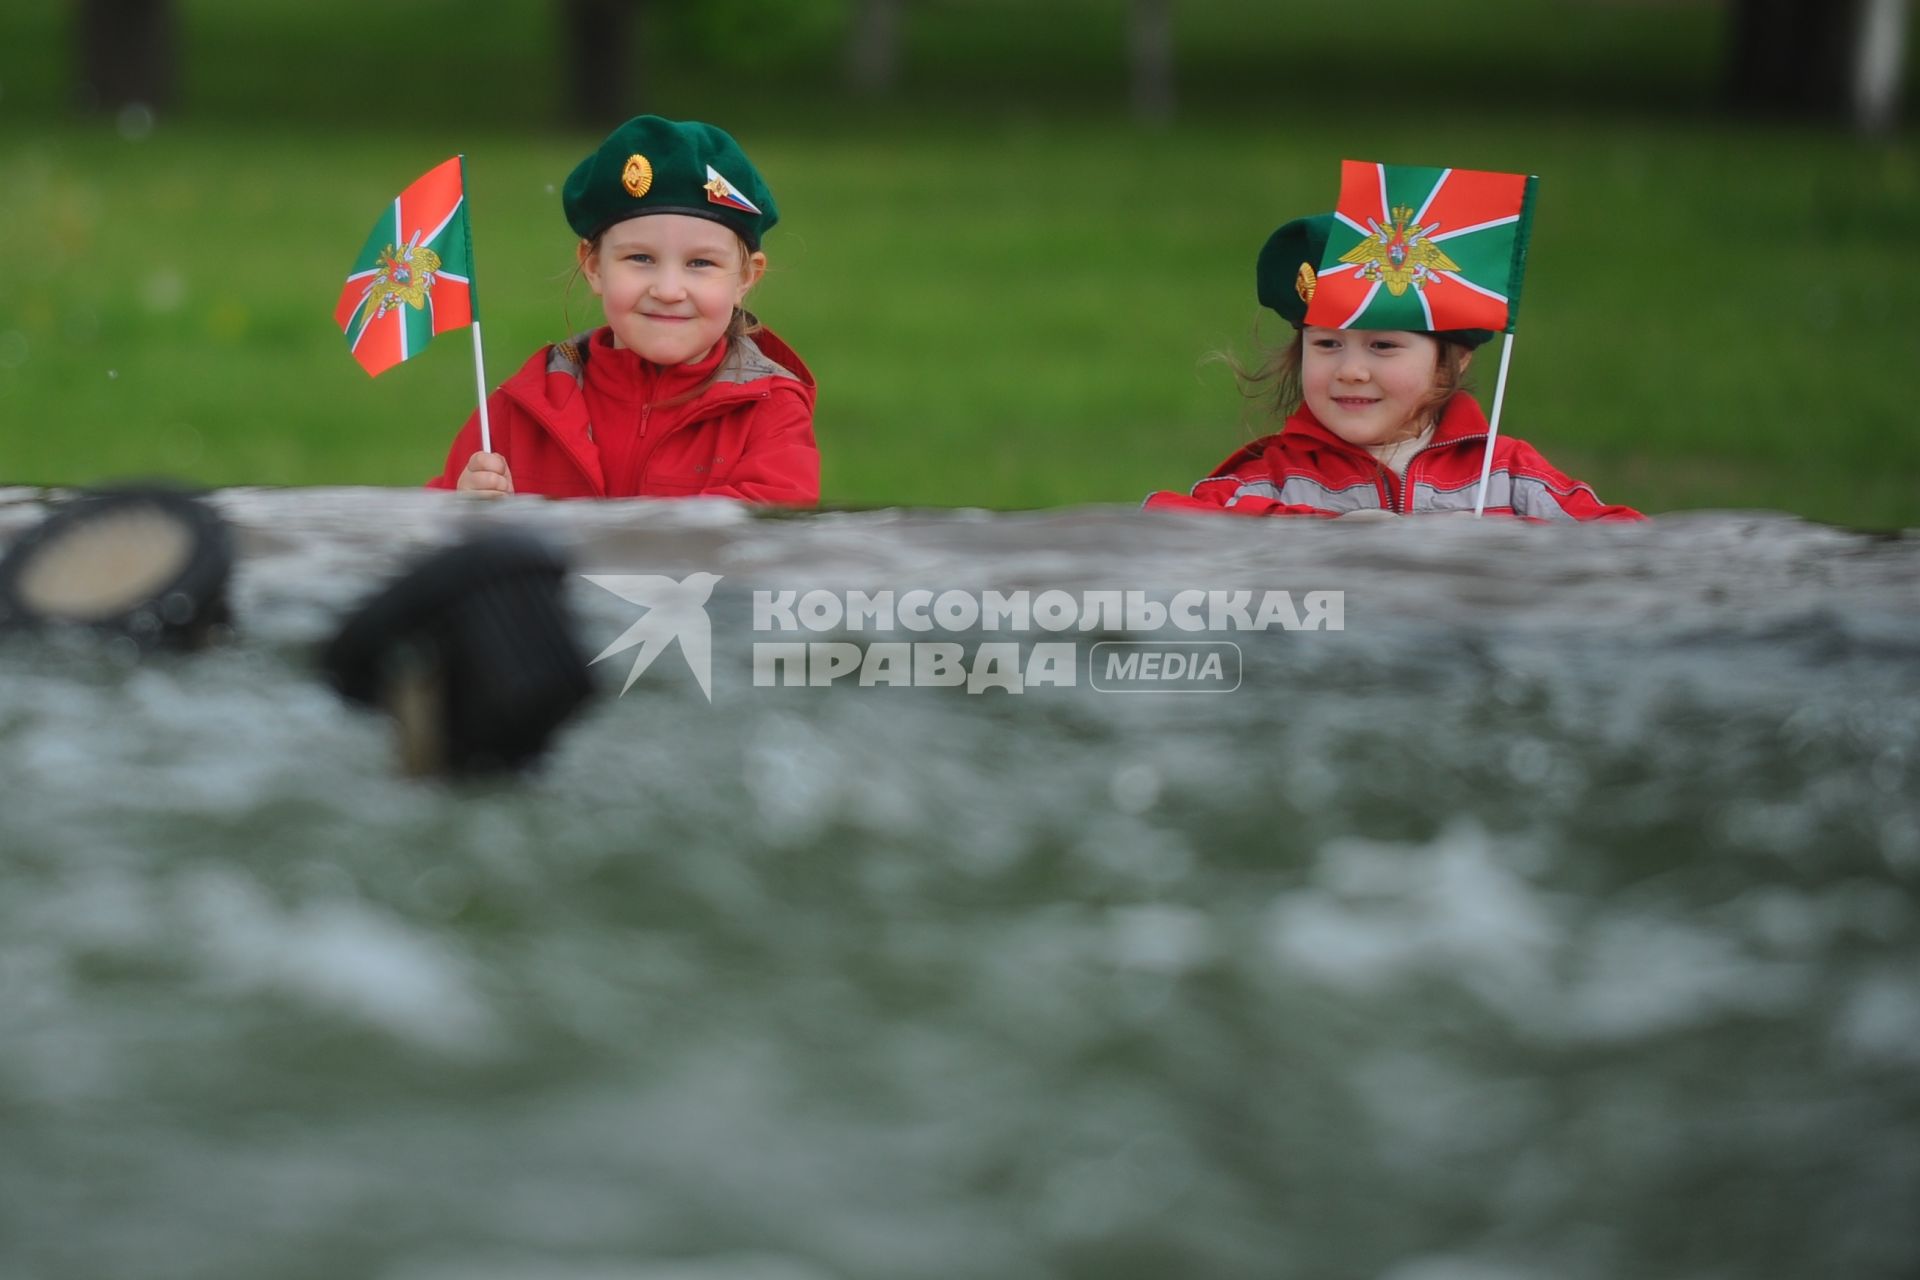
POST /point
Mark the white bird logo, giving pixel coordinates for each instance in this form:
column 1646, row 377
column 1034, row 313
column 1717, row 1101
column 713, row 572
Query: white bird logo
column 674, row 611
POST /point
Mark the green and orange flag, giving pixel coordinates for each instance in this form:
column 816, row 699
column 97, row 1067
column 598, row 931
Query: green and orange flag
column 414, row 277
column 1424, row 249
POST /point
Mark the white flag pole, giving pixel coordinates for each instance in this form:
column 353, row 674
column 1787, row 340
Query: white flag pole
column 480, row 386
column 473, row 295
column 1493, row 427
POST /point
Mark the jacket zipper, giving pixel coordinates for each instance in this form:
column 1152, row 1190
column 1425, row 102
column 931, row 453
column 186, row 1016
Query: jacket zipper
column 712, row 409
column 538, row 413
column 1385, row 481
column 1406, row 481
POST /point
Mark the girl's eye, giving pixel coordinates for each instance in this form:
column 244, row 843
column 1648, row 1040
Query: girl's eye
column 701, row 262
column 640, row 257
column 1325, row 344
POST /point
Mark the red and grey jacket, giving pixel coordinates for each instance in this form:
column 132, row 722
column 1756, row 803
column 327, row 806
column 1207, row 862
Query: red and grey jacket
column 586, row 419
column 1306, row 470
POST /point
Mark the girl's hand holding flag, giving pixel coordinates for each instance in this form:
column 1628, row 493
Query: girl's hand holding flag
column 486, row 473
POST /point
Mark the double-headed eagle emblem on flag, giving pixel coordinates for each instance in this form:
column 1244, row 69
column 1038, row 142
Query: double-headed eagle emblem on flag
column 405, row 277
column 1399, row 255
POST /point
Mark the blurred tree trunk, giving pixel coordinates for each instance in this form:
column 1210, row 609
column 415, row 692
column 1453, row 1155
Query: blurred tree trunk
column 127, row 53
column 1150, row 44
column 606, row 81
column 1835, row 58
column 1880, row 65
column 873, row 48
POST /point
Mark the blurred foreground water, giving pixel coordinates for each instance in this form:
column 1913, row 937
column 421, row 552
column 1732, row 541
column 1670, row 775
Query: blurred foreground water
column 1558, row 918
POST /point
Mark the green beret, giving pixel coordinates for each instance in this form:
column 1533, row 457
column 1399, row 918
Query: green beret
column 650, row 165
column 1289, row 264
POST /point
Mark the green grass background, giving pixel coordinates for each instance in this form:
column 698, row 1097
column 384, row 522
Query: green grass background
column 1006, row 288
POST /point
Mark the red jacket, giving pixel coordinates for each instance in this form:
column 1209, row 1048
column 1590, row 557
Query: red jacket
column 586, row 419
column 1306, row 470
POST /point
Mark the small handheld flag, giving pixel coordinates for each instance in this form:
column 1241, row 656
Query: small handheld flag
column 414, row 278
column 1424, row 249
column 1428, row 250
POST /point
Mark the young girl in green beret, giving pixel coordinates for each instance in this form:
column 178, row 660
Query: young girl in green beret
column 1375, row 422
column 682, row 392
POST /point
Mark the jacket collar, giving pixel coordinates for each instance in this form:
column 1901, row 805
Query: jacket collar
column 730, row 364
column 622, row 374
column 558, row 402
column 1460, row 422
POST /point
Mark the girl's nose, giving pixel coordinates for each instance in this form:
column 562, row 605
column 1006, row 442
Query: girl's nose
column 667, row 285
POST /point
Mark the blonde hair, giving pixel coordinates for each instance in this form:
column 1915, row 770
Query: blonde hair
column 1274, row 383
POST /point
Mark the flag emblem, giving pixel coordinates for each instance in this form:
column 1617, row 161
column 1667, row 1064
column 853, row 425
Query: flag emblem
column 720, row 191
column 413, row 277
column 1424, row 249
column 1399, row 256
column 405, row 278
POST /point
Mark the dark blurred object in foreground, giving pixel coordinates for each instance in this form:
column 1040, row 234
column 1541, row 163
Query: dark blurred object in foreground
column 470, row 651
column 149, row 563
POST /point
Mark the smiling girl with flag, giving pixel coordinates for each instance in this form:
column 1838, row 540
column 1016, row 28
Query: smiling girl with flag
column 682, row 392
column 1390, row 296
